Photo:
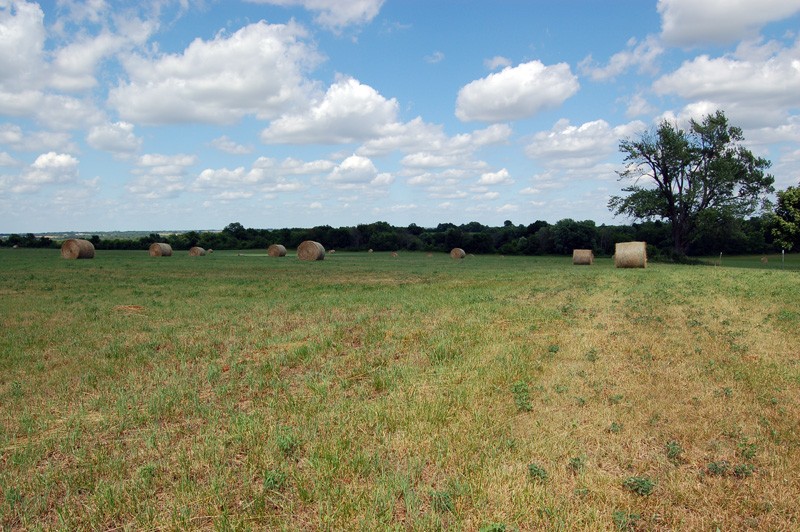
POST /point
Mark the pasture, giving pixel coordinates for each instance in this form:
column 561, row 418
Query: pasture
column 371, row 392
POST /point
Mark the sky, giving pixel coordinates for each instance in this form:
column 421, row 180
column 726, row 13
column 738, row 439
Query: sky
column 192, row 114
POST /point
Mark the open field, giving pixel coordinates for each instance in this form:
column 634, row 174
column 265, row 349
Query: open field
column 370, row 392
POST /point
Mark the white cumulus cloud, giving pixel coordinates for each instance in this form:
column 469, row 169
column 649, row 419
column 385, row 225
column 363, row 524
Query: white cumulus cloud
column 757, row 85
column 22, row 37
column 585, row 145
column 501, row 177
column 641, row 55
column 516, row 92
column 354, row 170
column 160, row 176
column 334, row 14
column 258, row 70
column 117, row 138
column 693, row 22
column 349, row 111
column 48, row 169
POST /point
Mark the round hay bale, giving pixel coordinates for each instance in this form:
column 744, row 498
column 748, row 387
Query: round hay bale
column 310, row 250
column 630, row 255
column 210, row 251
column 457, row 253
column 582, row 257
column 369, row 250
column 276, row 250
column 764, row 260
column 77, row 248
column 16, row 246
column 196, row 252
column 394, row 254
column 160, row 249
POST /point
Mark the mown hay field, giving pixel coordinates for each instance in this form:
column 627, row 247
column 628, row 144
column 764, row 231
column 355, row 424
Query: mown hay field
column 366, row 391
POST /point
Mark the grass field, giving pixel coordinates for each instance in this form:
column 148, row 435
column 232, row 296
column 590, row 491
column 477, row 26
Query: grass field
column 370, row 392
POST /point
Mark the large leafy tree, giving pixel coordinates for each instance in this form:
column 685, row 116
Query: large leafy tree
column 786, row 219
column 679, row 175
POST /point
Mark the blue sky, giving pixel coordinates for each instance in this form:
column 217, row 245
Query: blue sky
column 191, row 114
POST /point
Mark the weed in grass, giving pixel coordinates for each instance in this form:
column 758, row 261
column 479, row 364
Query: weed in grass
column 522, row 396
column 16, row 390
column 639, row 485
column 12, row 496
column 445, row 353
column 577, row 463
column 442, row 501
column 537, row 473
column 147, row 473
column 615, row 428
column 615, row 399
column 747, row 450
column 553, row 350
column 494, row 527
column 591, row 355
column 274, row 480
column 718, row 468
column 287, row 441
column 674, row 450
column 624, row 520
column 743, row 470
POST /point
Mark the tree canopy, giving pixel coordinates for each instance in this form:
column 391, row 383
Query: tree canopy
column 684, row 176
column 786, row 219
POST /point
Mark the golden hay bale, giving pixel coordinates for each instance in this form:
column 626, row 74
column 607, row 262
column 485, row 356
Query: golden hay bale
column 310, row 250
column 160, row 249
column 394, row 254
column 457, row 253
column 210, row 251
column 764, row 260
column 630, row 255
column 276, row 250
column 196, row 252
column 370, row 250
column 77, row 248
column 582, row 257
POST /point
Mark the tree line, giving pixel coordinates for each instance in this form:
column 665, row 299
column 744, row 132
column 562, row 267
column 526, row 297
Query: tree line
column 727, row 235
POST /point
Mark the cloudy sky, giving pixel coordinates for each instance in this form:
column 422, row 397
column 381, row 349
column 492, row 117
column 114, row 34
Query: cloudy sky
column 192, row 114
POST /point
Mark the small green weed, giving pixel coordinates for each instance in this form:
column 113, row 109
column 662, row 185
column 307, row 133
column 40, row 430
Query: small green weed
column 624, row 520
column 743, row 470
column 577, row 463
column 493, row 527
column 616, row 428
column 639, row 485
column 287, row 441
column 537, row 473
column 16, row 390
column 674, row 450
column 522, row 396
column 718, row 468
column 442, row 501
column 591, row 355
column 274, row 480
column 615, row 399
column 747, row 450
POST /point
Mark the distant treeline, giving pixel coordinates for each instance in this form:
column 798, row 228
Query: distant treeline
column 730, row 236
